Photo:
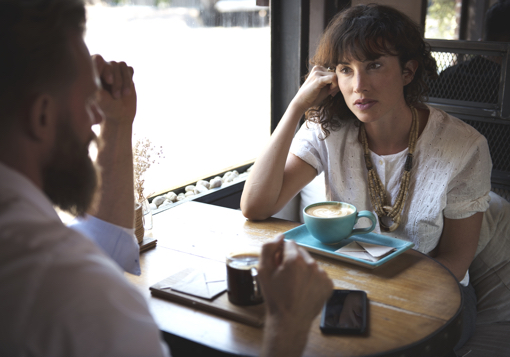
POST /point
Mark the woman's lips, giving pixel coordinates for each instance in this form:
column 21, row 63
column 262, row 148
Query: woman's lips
column 364, row 104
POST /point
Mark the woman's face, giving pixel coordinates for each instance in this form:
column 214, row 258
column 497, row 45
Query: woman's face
column 374, row 89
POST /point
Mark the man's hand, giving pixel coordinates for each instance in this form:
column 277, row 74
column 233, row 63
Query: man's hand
column 117, row 100
column 117, row 97
column 294, row 289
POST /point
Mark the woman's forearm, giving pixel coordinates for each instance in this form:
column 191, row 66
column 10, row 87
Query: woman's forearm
column 458, row 243
column 273, row 180
column 262, row 191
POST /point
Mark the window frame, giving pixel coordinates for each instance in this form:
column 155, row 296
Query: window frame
column 290, row 48
column 290, row 27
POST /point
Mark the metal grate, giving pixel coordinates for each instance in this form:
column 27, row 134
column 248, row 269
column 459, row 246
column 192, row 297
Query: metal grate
column 467, row 77
column 471, row 86
column 498, row 137
column 503, row 193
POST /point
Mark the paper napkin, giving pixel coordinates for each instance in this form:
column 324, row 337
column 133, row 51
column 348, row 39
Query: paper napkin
column 366, row 251
column 206, row 284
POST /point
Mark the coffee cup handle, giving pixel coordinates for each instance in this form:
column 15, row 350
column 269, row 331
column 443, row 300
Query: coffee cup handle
column 256, row 288
column 366, row 214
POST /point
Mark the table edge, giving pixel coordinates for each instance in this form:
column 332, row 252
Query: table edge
column 427, row 346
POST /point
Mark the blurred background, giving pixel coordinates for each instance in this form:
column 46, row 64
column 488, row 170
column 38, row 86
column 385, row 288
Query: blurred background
column 202, row 73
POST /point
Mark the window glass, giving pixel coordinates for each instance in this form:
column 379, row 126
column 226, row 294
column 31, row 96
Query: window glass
column 443, row 19
column 202, row 73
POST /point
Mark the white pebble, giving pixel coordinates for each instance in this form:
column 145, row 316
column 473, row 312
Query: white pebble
column 171, row 196
column 215, row 182
column 153, row 206
column 166, row 203
column 203, row 183
column 226, row 176
column 189, row 188
column 158, row 200
column 180, row 197
column 200, row 189
column 189, row 193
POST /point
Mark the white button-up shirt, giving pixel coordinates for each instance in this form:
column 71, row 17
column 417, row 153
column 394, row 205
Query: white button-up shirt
column 117, row 242
column 60, row 295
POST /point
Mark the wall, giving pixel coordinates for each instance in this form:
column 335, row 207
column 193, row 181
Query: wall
column 413, row 9
column 317, row 25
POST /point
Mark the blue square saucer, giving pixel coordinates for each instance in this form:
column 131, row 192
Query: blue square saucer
column 303, row 238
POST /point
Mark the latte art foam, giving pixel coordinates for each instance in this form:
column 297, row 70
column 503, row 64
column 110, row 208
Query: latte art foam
column 328, row 211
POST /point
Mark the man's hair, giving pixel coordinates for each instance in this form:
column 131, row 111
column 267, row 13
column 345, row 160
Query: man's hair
column 35, row 55
column 366, row 32
column 497, row 22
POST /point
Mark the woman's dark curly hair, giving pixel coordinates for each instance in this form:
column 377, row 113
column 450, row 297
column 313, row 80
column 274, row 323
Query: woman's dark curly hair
column 366, row 32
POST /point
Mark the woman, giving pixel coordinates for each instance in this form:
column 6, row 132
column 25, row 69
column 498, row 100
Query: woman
column 424, row 173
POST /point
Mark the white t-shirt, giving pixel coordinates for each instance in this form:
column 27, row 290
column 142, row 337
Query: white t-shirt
column 60, row 295
column 450, row 175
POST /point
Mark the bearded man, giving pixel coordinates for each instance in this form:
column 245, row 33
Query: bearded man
column 60, row 294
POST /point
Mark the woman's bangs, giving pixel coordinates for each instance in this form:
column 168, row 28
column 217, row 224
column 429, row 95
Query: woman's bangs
column 362, row 49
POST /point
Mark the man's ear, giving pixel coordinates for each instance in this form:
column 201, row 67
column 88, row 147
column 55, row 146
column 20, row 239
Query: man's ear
column 42, row 117
column 409, row 70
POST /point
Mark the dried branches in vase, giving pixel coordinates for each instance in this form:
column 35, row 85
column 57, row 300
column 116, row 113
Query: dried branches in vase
column 145, row 154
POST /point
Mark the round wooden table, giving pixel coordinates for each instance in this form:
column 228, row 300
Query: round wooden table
column 414, row 302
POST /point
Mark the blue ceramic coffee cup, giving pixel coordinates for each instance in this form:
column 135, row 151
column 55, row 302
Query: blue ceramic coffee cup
column 331, row 221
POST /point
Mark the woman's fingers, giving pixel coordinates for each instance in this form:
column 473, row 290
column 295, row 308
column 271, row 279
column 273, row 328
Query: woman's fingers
column 319, row 84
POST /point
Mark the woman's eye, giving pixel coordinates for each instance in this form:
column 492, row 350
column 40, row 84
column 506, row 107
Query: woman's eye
column 374, row 65
column 344, row 70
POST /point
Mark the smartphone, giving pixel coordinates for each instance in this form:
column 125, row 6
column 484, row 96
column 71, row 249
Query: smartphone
column 345, row 312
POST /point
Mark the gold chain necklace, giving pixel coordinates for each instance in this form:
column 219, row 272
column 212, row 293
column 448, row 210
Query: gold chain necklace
column 375, row 186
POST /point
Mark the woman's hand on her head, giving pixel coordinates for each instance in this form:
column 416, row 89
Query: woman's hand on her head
column 320, row 84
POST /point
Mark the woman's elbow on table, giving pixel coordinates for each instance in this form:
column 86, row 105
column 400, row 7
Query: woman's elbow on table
column 254, row 214
column 254, row 211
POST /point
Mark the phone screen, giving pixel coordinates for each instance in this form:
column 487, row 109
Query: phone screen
column 345, row 312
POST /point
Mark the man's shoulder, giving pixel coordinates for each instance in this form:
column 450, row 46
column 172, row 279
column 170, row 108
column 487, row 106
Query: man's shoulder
column 51, row 254
column 35, row 237
column 52, row 279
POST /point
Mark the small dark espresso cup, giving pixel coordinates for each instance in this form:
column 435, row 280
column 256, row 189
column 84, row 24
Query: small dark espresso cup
column 242, row 284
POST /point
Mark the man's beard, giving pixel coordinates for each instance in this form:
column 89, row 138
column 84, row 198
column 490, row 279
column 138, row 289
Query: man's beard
column 70, row 179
